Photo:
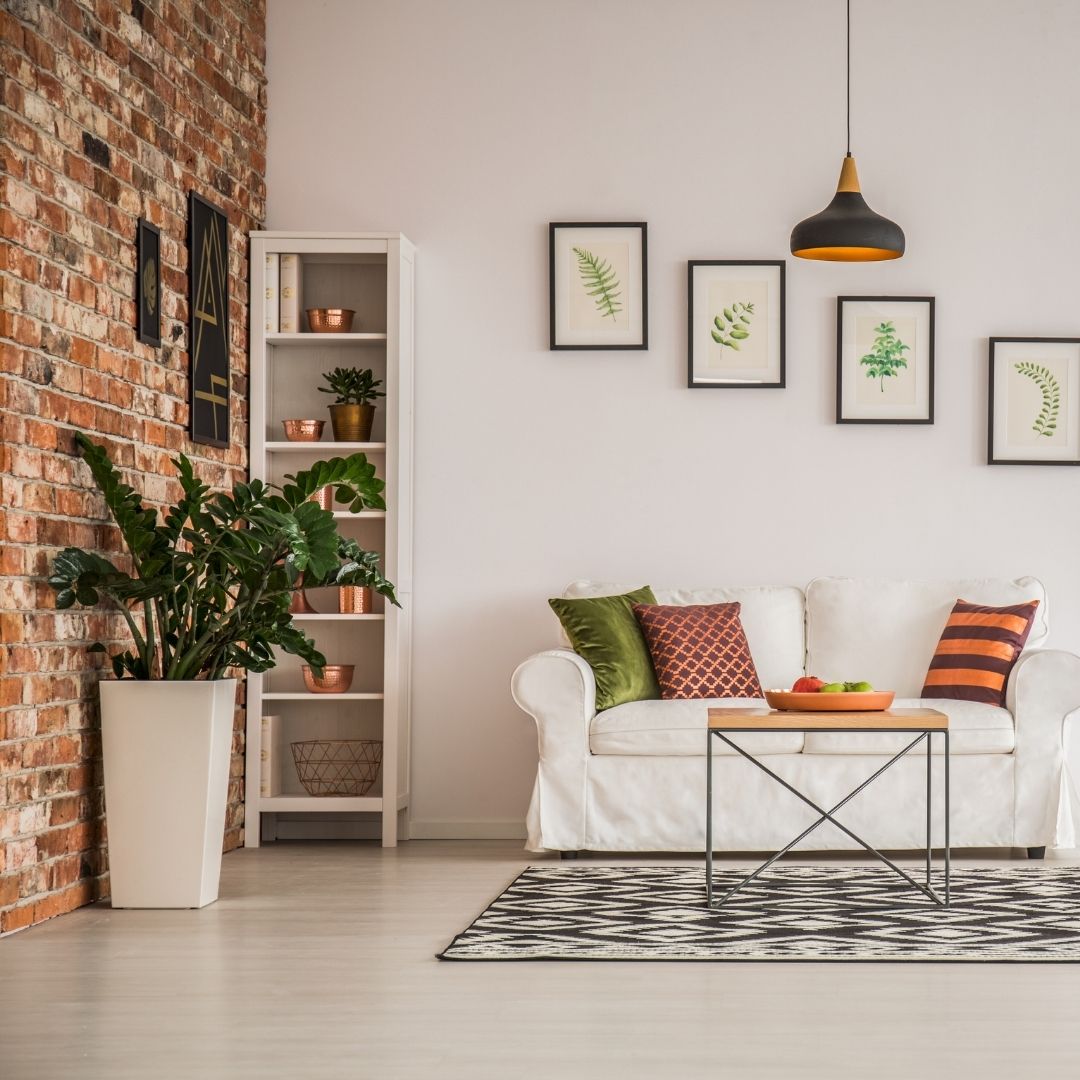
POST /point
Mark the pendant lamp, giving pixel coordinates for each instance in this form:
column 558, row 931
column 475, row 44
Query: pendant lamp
column 847, row 230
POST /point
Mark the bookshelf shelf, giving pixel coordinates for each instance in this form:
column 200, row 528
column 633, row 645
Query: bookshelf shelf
column 373, row 274
column 325, row 340
column 333, row 449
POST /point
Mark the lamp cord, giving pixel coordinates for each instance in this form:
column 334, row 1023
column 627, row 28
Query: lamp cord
column 849, row 78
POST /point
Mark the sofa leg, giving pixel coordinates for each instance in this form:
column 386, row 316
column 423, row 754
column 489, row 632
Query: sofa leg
column 568, row 854
column 1036, row 852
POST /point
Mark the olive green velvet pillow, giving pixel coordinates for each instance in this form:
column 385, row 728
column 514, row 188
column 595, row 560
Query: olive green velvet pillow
column 603, row 632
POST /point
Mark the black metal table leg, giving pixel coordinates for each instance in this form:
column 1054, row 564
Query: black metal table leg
column 929, row 804
column 947, row 854
column 708, row 818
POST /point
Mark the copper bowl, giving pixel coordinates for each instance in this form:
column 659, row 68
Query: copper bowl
column 330, row 320
column 336, row 679
column 303, row 430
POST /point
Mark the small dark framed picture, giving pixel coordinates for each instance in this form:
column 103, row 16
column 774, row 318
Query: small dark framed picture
column 208, row 340
column 1034, row 401
column 735, row 323
column 148, row 283
column 598, row 276
column 885, row 360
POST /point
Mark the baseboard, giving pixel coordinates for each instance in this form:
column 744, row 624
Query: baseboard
column 514, row 829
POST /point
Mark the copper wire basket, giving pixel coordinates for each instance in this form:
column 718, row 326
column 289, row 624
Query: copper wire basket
column 328, row 767
column 330, row 320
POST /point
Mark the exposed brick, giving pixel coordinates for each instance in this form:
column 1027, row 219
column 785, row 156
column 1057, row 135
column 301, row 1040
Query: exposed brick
column 109, row 109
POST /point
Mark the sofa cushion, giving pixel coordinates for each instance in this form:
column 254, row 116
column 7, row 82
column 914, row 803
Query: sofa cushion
column 974, row 728
column 978, row 649
column 773, row 617
column 603, row 631
column 677, row 729
column 698, row 650
column 886, row 631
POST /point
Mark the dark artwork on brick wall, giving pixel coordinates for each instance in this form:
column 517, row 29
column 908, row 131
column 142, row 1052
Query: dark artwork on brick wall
column 148, row 283
column 208, row 343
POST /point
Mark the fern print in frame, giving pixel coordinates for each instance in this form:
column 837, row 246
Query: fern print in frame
column 600, row 282
column 1033, row 401
column 1046, row 423
column 598, row 285
column 885, row 359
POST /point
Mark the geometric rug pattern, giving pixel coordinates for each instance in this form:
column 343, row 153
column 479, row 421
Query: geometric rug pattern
column 1020, row 914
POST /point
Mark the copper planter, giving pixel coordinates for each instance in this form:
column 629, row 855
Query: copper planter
column 352, row 423
column 303, row 430
column 355, row 599
column 324, row 497
column 335, row 679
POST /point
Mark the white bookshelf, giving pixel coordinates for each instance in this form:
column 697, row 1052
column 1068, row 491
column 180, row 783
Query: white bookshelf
column 372, row 273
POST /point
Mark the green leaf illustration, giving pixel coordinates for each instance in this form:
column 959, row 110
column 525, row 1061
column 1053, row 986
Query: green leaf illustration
column 733, row 325
column 887, row 358
column 1043, row 377
column 600, row 281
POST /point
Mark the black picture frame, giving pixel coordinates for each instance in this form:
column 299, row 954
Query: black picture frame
column 148, row 283
column 208, row 331
column 991, row 367
column 840, row 302
column 554, row 344
column 781, row 382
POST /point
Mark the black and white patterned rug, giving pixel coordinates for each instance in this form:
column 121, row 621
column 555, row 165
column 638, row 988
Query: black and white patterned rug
column 1026, row 913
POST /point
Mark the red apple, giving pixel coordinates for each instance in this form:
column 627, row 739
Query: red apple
column 808, row 684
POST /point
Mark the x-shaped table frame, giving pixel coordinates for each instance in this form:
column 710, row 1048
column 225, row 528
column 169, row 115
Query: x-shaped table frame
column 828, row 815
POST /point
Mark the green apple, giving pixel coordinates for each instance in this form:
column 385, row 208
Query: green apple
column 832, row 688
column 859, row 687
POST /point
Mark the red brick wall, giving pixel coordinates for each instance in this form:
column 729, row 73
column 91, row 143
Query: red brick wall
column 110, row 109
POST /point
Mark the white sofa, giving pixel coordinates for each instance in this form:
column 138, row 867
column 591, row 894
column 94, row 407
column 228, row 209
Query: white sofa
column 632, row 778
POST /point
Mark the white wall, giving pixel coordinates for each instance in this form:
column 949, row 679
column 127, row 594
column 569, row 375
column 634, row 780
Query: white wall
column 471, row 124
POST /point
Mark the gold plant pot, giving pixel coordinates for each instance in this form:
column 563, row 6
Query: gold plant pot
column 352, row 423
column 324, row 497
column 330, row 320
column 336, row 679
column 303, row 430
column 355, row 599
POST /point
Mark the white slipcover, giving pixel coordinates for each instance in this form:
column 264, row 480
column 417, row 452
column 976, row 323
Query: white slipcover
column 632, row 778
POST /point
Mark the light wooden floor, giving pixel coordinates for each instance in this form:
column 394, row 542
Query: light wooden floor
column 318, row 963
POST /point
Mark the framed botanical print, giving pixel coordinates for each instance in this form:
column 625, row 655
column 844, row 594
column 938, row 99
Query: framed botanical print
column 1034, row 401
column 885, row 360
column 598, row 276
column 148, row 283
column 735, row 323
column 208, row 334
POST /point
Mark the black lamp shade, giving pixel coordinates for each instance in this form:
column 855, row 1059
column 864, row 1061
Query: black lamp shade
column 847, row 230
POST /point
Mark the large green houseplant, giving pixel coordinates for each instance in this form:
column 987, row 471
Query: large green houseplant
column 207, row 591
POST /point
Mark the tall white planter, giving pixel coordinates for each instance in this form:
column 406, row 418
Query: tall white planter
column 166, row 749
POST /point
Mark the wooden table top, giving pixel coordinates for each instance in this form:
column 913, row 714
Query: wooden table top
column 756, row 718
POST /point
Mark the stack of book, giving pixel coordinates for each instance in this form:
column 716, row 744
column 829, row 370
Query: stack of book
column 283, row 285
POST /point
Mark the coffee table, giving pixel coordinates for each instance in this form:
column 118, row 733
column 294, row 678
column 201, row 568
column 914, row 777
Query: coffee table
column 922, row 723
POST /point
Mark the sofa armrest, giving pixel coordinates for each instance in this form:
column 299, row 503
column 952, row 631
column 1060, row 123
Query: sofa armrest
column 557, row 689
column 1044, row 697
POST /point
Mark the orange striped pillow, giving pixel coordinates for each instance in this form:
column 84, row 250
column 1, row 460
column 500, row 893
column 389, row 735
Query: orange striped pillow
column 977, row 651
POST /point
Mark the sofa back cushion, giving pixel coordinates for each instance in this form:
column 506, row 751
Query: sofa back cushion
column 773, row 618
column 886, row 631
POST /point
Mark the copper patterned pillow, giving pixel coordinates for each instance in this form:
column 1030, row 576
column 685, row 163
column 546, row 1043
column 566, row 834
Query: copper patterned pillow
column 699, row 650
